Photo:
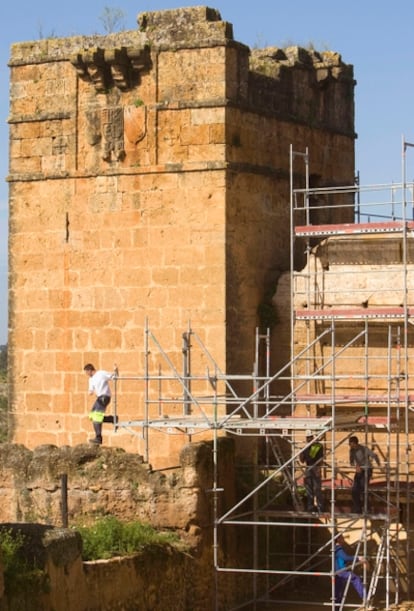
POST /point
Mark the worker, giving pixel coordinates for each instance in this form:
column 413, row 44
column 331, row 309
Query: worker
column 361, row 457
column 343, row 574
column 99, row 386
column 312, row 456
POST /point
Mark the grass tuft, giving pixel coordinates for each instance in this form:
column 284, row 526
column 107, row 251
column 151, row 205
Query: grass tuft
column 109, row 537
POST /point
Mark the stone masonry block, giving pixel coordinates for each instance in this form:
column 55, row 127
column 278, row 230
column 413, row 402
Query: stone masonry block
column 159, row 198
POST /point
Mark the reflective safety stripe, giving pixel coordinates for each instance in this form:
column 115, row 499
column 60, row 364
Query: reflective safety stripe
column 96, row 416
column 314, row 449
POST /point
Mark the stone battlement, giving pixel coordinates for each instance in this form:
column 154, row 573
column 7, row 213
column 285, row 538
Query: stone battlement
column 116, row 60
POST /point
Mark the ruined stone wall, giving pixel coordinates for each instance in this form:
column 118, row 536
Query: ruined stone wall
column 161, row 577
column 149, row 180
column 153, row 579
column 109, row 481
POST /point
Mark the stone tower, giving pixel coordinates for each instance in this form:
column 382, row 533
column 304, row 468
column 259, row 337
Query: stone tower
column 149, row 181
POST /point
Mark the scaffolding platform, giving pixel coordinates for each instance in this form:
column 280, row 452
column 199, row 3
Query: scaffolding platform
column 355, row 399
column 362, row 313
column 350, row 371
column 236, row 424
column 353, row 228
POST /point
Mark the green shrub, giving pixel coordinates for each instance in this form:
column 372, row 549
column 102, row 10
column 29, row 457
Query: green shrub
column 10, row 545
column 109, row 537
column 19, row 575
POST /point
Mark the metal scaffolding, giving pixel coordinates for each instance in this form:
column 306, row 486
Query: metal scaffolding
column 349, row 373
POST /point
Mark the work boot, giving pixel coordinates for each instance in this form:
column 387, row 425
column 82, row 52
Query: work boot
column 97, row 440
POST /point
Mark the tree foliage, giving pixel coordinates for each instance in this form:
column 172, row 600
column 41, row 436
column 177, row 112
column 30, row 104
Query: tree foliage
column 112, row 19
column 3, row 359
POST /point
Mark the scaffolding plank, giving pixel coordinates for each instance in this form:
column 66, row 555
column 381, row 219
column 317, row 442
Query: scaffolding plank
column 278, row 423
column 378, row 421
column 384, row 399
column 353, row 313
column 281, row 423
column 352, row 228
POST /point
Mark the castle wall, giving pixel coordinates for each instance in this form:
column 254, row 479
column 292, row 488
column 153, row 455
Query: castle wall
column 110, row 482
column 149, row 181
column 155, row 578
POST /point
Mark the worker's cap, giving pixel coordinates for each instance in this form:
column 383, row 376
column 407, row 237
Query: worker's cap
column 308, row 434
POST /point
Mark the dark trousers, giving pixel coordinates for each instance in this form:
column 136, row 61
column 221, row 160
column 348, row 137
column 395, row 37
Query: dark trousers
column 97, row 414
column 313, row 487
column 359, row 487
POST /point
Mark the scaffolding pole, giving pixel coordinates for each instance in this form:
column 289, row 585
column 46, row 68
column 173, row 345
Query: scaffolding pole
column 348, row 374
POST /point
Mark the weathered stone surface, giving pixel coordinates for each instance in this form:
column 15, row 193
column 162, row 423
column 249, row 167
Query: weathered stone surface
column 130, row 583
column 149, row 181
column 111, row 481
column 104, row 481
column 303, row 96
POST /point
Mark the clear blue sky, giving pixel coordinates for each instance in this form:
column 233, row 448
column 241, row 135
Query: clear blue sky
column 376, row 37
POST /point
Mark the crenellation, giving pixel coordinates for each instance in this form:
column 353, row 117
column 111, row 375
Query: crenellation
column 301, row 98
column 56, row 49
column 194, row 26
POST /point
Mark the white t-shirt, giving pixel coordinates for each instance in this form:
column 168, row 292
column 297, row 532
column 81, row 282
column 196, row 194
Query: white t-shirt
column 98, row 383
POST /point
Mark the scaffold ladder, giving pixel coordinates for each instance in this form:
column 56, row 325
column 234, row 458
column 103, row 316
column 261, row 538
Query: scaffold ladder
column 379, row 558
